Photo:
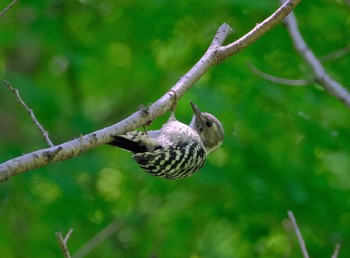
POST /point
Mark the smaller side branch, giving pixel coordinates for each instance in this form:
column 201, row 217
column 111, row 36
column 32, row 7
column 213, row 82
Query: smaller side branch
column 279, row 80
column 97, row 239
column 336, row 251
column 7, row 8
column 336, row 54
column 220, row 36
column 63, row 242
column 299, row 236
column 43, row 132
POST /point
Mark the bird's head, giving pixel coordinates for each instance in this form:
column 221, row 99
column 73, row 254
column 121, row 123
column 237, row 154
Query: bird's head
column 208, row 127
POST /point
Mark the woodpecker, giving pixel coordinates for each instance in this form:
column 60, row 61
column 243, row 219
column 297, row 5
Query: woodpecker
column 176, row 150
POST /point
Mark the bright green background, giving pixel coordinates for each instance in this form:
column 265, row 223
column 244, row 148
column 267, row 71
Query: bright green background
column 83, row 65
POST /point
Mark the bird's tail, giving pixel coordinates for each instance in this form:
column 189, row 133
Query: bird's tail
column 132, row 141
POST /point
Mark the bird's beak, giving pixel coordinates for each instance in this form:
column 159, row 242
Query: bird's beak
column 197, row 112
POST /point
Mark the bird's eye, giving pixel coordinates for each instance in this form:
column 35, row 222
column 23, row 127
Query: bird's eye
column 209, row 124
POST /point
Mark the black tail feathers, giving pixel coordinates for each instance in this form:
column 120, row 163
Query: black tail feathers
column 127, row 144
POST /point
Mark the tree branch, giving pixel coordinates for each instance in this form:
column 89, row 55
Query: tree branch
column 321, row 77
column 43, row 132
column 259, row 30
column 336, row 54
column 279, row 80
column 97, row 239
column 7, row 8
column 336, row 251
column 63, row 242
column 299, row 236
column 214, row 55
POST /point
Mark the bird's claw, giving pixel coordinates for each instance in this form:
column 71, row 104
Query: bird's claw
column 145, row 112
column 174, row 95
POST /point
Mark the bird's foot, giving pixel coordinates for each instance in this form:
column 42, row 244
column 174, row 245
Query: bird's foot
column 173, row 106
column 145, row 112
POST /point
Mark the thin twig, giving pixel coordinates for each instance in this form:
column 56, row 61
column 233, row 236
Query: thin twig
column 335, row 54
column 97, row 239
column 279, row 80
column 7, row 8
column 68, row 235
column 321, row 77
column 43, row 132
column 336, row 250
column 63, row 242
column 299, row 236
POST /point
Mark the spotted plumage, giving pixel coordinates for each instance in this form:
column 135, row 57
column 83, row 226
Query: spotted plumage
column 176, row 150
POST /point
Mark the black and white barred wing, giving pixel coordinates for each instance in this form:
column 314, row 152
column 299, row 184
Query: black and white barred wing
column 177, row 161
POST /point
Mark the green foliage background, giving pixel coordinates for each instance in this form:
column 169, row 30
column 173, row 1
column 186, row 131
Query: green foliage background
column 82, row 65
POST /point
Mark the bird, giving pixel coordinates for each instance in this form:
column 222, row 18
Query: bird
column 176, row 150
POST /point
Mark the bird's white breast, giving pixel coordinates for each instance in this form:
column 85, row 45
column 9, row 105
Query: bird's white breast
column 174, row 132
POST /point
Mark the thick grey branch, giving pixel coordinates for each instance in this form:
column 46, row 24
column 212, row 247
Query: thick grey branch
column 69, row 149
column 259, row 30
column 215, row 54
